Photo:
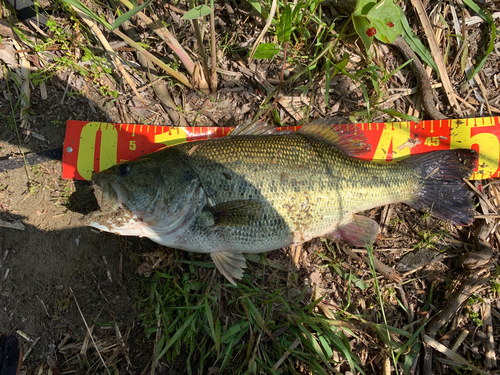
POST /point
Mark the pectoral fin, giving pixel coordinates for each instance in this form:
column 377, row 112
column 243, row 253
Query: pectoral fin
column 230, row 264
column 235, row 213
column 361, row 231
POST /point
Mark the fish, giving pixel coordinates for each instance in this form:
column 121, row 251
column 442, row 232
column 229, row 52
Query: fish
column 259, row 190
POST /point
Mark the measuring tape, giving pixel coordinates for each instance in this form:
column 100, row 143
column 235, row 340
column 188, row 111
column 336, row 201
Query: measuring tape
column 94, row 146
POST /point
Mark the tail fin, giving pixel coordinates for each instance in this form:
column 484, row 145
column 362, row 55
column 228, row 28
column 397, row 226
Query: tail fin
column 442, row 191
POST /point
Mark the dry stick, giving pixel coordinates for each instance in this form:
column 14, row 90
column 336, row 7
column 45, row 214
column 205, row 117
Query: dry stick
column 436, row 54
column 154, row 359
column 213, row 53
column 109, row 50
column 25, row 87
column 175, row 9
column 14, row 225
column 153, row 58
column 451, row 355
column 286, row 354
column 385, row 270
column 423, row 79
column 276, row 97
column 25, row 356
column 459, row 340
column 199, row 38
column 160, row 88
column 88, row 330
column 483, row 91
column 489, row 346
column 481, row 195
column 67, row 86
column 166, row 36
column 472, row 282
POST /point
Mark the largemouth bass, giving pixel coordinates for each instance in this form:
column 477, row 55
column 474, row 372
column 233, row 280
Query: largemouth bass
column 253, row 192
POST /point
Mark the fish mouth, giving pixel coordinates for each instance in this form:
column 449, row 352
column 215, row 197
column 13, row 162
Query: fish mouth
column 109, row 194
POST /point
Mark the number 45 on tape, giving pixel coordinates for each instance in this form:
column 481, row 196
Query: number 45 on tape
column 94, row 146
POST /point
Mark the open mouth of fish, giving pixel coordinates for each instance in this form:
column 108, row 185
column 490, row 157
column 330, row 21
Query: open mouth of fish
column 113, row 214
column 109, row 195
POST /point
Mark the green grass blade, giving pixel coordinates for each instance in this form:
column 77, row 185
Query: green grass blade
column 411, row 356
column 129, row 15
column 77, row 4
column 198, row 12
column 255, row 314
column 177, row 334
column 314, row 344
column 230, row 348
column 210, row 319
column 487, row 17
column 416, row 45
column 284, row 28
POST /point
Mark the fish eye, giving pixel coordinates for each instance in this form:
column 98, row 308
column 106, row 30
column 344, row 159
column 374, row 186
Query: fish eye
column 123, row 169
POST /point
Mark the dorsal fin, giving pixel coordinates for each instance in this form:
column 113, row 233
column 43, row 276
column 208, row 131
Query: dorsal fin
column 347, row 138
column 254, row 128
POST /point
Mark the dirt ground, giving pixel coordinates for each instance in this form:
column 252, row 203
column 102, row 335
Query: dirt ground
column 58, row 278
column 55, row 264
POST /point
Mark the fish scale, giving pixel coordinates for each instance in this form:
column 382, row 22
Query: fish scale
column 308, row 183
column 257, row 193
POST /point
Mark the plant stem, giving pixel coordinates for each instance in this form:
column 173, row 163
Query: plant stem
column 179, row 76
column 213, row 50
column 165, row 35
column 199, row 38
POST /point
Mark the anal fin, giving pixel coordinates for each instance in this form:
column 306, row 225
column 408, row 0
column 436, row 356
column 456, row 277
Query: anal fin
column 361, row 231
column 230, row 264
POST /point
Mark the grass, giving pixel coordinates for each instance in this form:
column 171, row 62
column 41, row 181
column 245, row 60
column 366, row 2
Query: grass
column 243, row 330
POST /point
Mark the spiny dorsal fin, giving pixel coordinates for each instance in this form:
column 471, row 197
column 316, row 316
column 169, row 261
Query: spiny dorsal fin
column 347, row 138
column 254, row 128
column 230, row 264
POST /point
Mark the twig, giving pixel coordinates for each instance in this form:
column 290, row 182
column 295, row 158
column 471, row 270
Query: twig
column 88, row 330
column 165, row 35
column 213, row 51
column 201, row 50
column 154, row 359
column 15, row 225
column 157, row 61
column 25, row 356
column 67, row 86
column 91, row 24
column 286, row 354
column 472, row 281
column 174, row 9
column 489, row 346
column 459, row 340
column 436, row 53
column 25, row 87
column 423, row 79
column 481, row 195
column 452, row 355
column 385, row 270
column 386, row 218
